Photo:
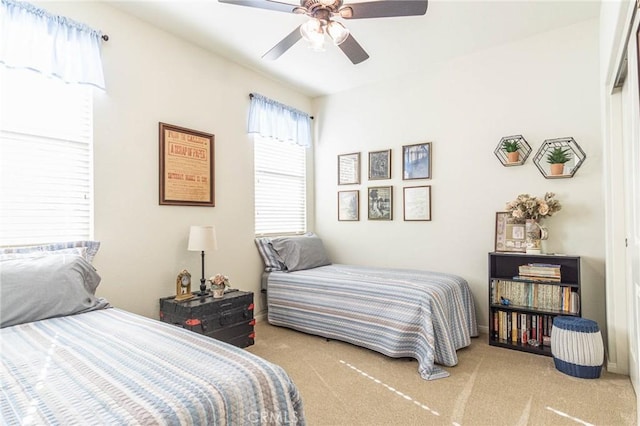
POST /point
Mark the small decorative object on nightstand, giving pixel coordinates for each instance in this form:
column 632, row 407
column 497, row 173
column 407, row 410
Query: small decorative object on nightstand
column 229, row 318
column 219, row 283
column 183, row 286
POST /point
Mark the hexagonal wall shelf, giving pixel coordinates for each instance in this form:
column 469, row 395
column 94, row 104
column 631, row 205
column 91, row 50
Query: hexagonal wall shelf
column 570, row 147
column 523, row 151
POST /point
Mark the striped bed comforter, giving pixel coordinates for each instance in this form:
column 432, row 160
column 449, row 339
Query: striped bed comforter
column 111, row 367
column 397, row 312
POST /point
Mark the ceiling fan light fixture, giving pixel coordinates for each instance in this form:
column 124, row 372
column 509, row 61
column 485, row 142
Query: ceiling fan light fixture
column 312, row 30
column 337, row 32
column 313, row 33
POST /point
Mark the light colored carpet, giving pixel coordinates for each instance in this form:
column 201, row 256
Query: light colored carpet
column 342, row 384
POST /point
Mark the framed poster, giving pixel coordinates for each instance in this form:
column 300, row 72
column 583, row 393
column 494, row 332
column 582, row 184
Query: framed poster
column 186, row 167
column 416, row 161
column 348, row 202
column 380, row 164
column 380, row 203
column 510, row 236
column 349, row 169
column 417, row 203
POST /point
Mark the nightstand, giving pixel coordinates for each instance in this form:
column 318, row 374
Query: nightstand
column 229, row 318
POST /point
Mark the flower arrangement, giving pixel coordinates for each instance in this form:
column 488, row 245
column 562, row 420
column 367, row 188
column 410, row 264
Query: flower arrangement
column 527, row 207
column 219, row 281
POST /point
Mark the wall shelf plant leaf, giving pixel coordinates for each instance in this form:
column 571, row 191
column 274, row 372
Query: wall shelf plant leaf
column 559, row 158
column 512, row 150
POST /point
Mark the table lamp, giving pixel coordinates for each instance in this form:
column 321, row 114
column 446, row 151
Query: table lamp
column 202, row 238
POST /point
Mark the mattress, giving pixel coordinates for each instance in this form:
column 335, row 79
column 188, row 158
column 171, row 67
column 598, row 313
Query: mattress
column 114, row 367
column 397, row 312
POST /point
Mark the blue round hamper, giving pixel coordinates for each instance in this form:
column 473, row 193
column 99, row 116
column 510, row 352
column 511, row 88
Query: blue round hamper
column 576, row 346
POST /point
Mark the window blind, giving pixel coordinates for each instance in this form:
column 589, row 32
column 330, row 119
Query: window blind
column 280, row 187
column 46, row 156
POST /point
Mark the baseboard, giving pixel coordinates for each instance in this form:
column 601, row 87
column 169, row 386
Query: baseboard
column 483, row 329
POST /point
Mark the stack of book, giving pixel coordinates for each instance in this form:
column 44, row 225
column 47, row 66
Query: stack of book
column 539, row 272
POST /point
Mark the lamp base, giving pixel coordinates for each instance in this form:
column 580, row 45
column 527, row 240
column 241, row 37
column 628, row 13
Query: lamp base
column 203, row 288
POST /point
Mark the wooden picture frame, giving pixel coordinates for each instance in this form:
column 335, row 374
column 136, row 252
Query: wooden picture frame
column 510, row 236
column 416, row 161
column 348, row 206
column 416, row 201
column 349, row 169
column 186, row 167
column 380, row 203
column 380, row 164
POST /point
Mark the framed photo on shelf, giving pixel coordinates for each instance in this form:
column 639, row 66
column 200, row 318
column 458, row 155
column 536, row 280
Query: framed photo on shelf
column 380, row 164
column 417, row 203
column 348, row 205
column 380, row 203
column 510, row 236
column 416, row 161
column 186, row 167
column 349, row 169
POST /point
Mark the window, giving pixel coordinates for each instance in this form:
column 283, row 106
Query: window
column 46, row 157
column 280, row 187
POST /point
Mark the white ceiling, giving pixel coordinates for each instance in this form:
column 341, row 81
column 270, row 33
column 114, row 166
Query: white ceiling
column 396, row 46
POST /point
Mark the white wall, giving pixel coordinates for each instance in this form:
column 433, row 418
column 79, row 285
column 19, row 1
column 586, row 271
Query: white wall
column 153, row 77
column 542, row 87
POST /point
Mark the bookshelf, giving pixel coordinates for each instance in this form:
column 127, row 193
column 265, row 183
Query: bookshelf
column 551, row 287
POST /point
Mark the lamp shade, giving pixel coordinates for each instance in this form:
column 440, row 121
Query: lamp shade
column 202, row 238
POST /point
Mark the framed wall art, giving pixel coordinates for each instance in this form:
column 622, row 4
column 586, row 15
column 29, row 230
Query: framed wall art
column 186, row 167
column 380, row 203
column 380, row 165
column 510, row 236
column 348, row 205
column 349, row 169
column 416, row 202
column 416, row 161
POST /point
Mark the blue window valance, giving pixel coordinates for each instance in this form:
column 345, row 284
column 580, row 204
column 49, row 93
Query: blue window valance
column 271, row 119
column 33, row 38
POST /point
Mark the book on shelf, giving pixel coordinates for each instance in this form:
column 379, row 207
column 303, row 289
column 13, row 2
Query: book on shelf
column 542, row 270
column 536, row 278
column 522, row 328
column 534, row 295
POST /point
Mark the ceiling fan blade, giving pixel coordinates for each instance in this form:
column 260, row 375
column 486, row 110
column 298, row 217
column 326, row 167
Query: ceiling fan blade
column 263, row 4
column 383, row 9
column 284, row 45
column 353, row 50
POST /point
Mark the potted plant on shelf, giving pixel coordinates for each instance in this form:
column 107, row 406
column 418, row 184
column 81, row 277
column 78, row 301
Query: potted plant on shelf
column 219, row 283
column 511, row 146
column 556, row 158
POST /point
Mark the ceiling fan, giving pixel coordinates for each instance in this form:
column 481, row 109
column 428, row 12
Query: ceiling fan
column 321, row 13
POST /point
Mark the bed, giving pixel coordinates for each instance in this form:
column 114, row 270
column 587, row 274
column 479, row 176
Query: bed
column 400, row 313
column 89, row 363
